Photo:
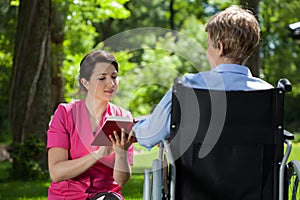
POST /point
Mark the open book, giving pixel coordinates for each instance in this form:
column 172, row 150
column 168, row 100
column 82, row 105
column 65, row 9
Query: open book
column 113, row 123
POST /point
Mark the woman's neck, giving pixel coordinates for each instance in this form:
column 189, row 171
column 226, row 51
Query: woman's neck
column 95, row 108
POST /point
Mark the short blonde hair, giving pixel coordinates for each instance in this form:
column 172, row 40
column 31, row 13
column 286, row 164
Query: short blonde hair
column 238, row 30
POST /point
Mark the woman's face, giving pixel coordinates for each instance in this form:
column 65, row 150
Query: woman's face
column 103, row 83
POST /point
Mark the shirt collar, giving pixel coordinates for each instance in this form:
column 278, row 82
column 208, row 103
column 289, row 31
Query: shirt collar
column 232, row 68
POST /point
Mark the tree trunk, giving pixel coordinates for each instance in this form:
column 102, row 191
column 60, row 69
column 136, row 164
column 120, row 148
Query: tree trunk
column 254, row 62
column 30, row 82
column 57, row 56
column 172, row 14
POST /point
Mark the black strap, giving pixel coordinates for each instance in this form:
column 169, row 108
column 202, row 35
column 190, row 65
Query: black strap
column 106, row 196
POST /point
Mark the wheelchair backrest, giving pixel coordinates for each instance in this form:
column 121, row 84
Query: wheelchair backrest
column 227, row 144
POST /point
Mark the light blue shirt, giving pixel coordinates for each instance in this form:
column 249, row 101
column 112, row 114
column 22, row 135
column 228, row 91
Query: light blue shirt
column 228, row 77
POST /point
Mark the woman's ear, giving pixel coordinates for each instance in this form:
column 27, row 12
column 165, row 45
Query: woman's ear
column 85, row 83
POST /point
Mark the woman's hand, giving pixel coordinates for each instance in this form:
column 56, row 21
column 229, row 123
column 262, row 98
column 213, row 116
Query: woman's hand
column 122, row 143
column 102, row 152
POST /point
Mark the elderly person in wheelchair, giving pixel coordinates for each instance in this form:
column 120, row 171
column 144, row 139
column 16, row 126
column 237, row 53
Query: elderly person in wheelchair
column 225, row 126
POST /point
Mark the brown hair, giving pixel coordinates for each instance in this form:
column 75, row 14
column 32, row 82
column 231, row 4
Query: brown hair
column 89, row 61
column 238, row 30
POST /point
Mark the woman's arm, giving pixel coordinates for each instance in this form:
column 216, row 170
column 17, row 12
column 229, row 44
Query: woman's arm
column 122, row 169
column 60, row 168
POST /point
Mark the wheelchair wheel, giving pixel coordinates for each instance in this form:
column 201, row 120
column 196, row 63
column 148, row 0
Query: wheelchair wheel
column 293, row 175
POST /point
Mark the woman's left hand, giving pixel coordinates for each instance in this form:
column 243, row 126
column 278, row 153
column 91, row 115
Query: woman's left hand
column 122, row 143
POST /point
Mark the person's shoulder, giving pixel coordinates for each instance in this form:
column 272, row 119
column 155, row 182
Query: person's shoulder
column 264, row 84
column 195, row 80
column 67, row 106
column 187, row 77
column 118, row 110
column 193, row 76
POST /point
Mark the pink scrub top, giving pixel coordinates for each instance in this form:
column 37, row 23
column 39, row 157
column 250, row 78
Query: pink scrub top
column 70, row 129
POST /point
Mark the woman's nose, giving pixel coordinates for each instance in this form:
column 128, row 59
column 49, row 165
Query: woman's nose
column 110, row 82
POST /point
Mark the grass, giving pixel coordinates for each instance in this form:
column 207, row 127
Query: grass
column 37, row 190
column 14, row 189
column 133, row 190
column 295, row 153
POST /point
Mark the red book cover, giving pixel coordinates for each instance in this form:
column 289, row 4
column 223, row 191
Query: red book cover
column 113, row 123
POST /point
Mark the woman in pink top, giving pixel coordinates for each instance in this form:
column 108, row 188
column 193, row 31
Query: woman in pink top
column 79, row 170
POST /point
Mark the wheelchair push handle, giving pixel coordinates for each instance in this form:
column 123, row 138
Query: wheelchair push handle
column 285, row 84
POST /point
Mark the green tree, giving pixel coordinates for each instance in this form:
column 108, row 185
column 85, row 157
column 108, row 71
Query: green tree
column 8, row 15
column 254, row 62
column 82, row 20
column 166, row 54
column 279, row 53
column 59, row 8
column 30, row 82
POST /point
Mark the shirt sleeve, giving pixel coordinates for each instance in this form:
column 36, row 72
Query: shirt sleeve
column 153, row 129
column 57, row 134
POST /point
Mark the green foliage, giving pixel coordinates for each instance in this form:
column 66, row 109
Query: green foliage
column 82, row 18
column 141, row 17
column 5, row 67
column 191, row 46
column 297, row 138
column 25, row 157
column 71, row 75
column 186, row 9
column 8, row 15
column 279, row 52
column 160, row 56
column 142, row 87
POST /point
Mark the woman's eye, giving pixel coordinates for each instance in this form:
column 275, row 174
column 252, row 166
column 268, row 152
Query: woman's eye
column 114, row 77
column 102, row 78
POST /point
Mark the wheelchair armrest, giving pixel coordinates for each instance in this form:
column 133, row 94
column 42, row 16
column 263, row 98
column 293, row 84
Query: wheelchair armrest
column 288, row 135
column 285, row 84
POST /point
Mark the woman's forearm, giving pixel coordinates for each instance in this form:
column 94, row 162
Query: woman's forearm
column 69, row 169
column 122, row 169
column 60, row 168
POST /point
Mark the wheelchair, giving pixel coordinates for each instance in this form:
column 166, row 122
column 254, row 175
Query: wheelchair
column 225, row 145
